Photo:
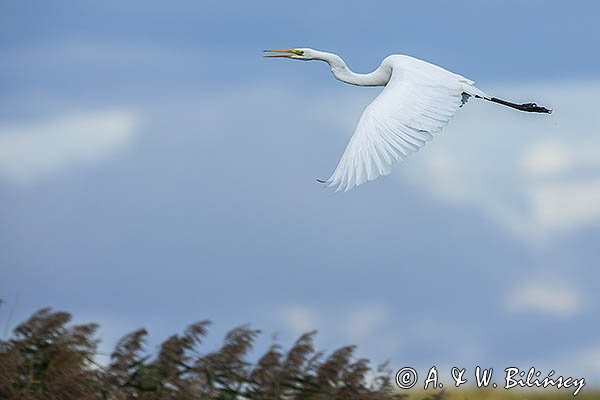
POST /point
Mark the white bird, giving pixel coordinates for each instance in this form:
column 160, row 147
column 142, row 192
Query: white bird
column 418, row 100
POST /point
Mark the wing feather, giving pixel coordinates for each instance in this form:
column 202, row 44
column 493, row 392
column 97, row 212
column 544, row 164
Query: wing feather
column 402, row 119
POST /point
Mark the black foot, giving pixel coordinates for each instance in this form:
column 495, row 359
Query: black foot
column 532, row 107
column 321, row 181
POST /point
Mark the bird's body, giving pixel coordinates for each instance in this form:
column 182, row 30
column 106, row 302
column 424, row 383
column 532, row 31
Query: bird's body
column 419, row 99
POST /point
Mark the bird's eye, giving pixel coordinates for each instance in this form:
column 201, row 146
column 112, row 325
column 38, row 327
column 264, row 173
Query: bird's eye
column 298, row 52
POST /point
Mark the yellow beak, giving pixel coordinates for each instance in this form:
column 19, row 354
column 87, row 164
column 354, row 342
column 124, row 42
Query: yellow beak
column 286, row 53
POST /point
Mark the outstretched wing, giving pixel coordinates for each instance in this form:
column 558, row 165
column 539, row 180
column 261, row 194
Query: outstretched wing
column 411, row 108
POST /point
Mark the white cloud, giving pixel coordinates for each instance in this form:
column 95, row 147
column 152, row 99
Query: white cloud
column 549, row 157
column 365, row 326
column 355, row 323
column 299, row 319
column 364, row 321
column 555, row 157
column 555, row 299
column 535, row 175
column 565, row 204
column 33, row 150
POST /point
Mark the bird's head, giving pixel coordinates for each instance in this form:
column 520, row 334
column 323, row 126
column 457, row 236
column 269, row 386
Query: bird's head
column 296, row 54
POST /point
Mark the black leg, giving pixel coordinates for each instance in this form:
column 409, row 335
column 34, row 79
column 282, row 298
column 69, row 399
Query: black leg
column 527, row 107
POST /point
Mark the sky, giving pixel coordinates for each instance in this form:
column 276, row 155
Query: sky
column 155, row 171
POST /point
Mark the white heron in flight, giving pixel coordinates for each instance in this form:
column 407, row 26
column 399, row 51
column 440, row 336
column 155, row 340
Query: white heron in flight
column 418, row 100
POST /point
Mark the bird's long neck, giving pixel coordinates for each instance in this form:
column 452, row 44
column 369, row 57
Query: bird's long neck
column 379, row 77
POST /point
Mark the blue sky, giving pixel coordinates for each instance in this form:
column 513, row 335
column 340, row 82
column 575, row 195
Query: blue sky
column 155, row 170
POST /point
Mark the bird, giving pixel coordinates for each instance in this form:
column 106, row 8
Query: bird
column 418, row 100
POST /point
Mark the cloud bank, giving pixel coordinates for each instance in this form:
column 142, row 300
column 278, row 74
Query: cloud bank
column 30, row 151
column 535, row 175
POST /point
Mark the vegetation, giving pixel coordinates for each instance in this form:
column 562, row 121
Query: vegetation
column 49, row 358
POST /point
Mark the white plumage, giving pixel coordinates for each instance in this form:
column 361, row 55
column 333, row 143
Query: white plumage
column 417, row 102
column 419, row 99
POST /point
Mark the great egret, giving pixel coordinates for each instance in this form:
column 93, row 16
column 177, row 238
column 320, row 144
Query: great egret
column 418, row 100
